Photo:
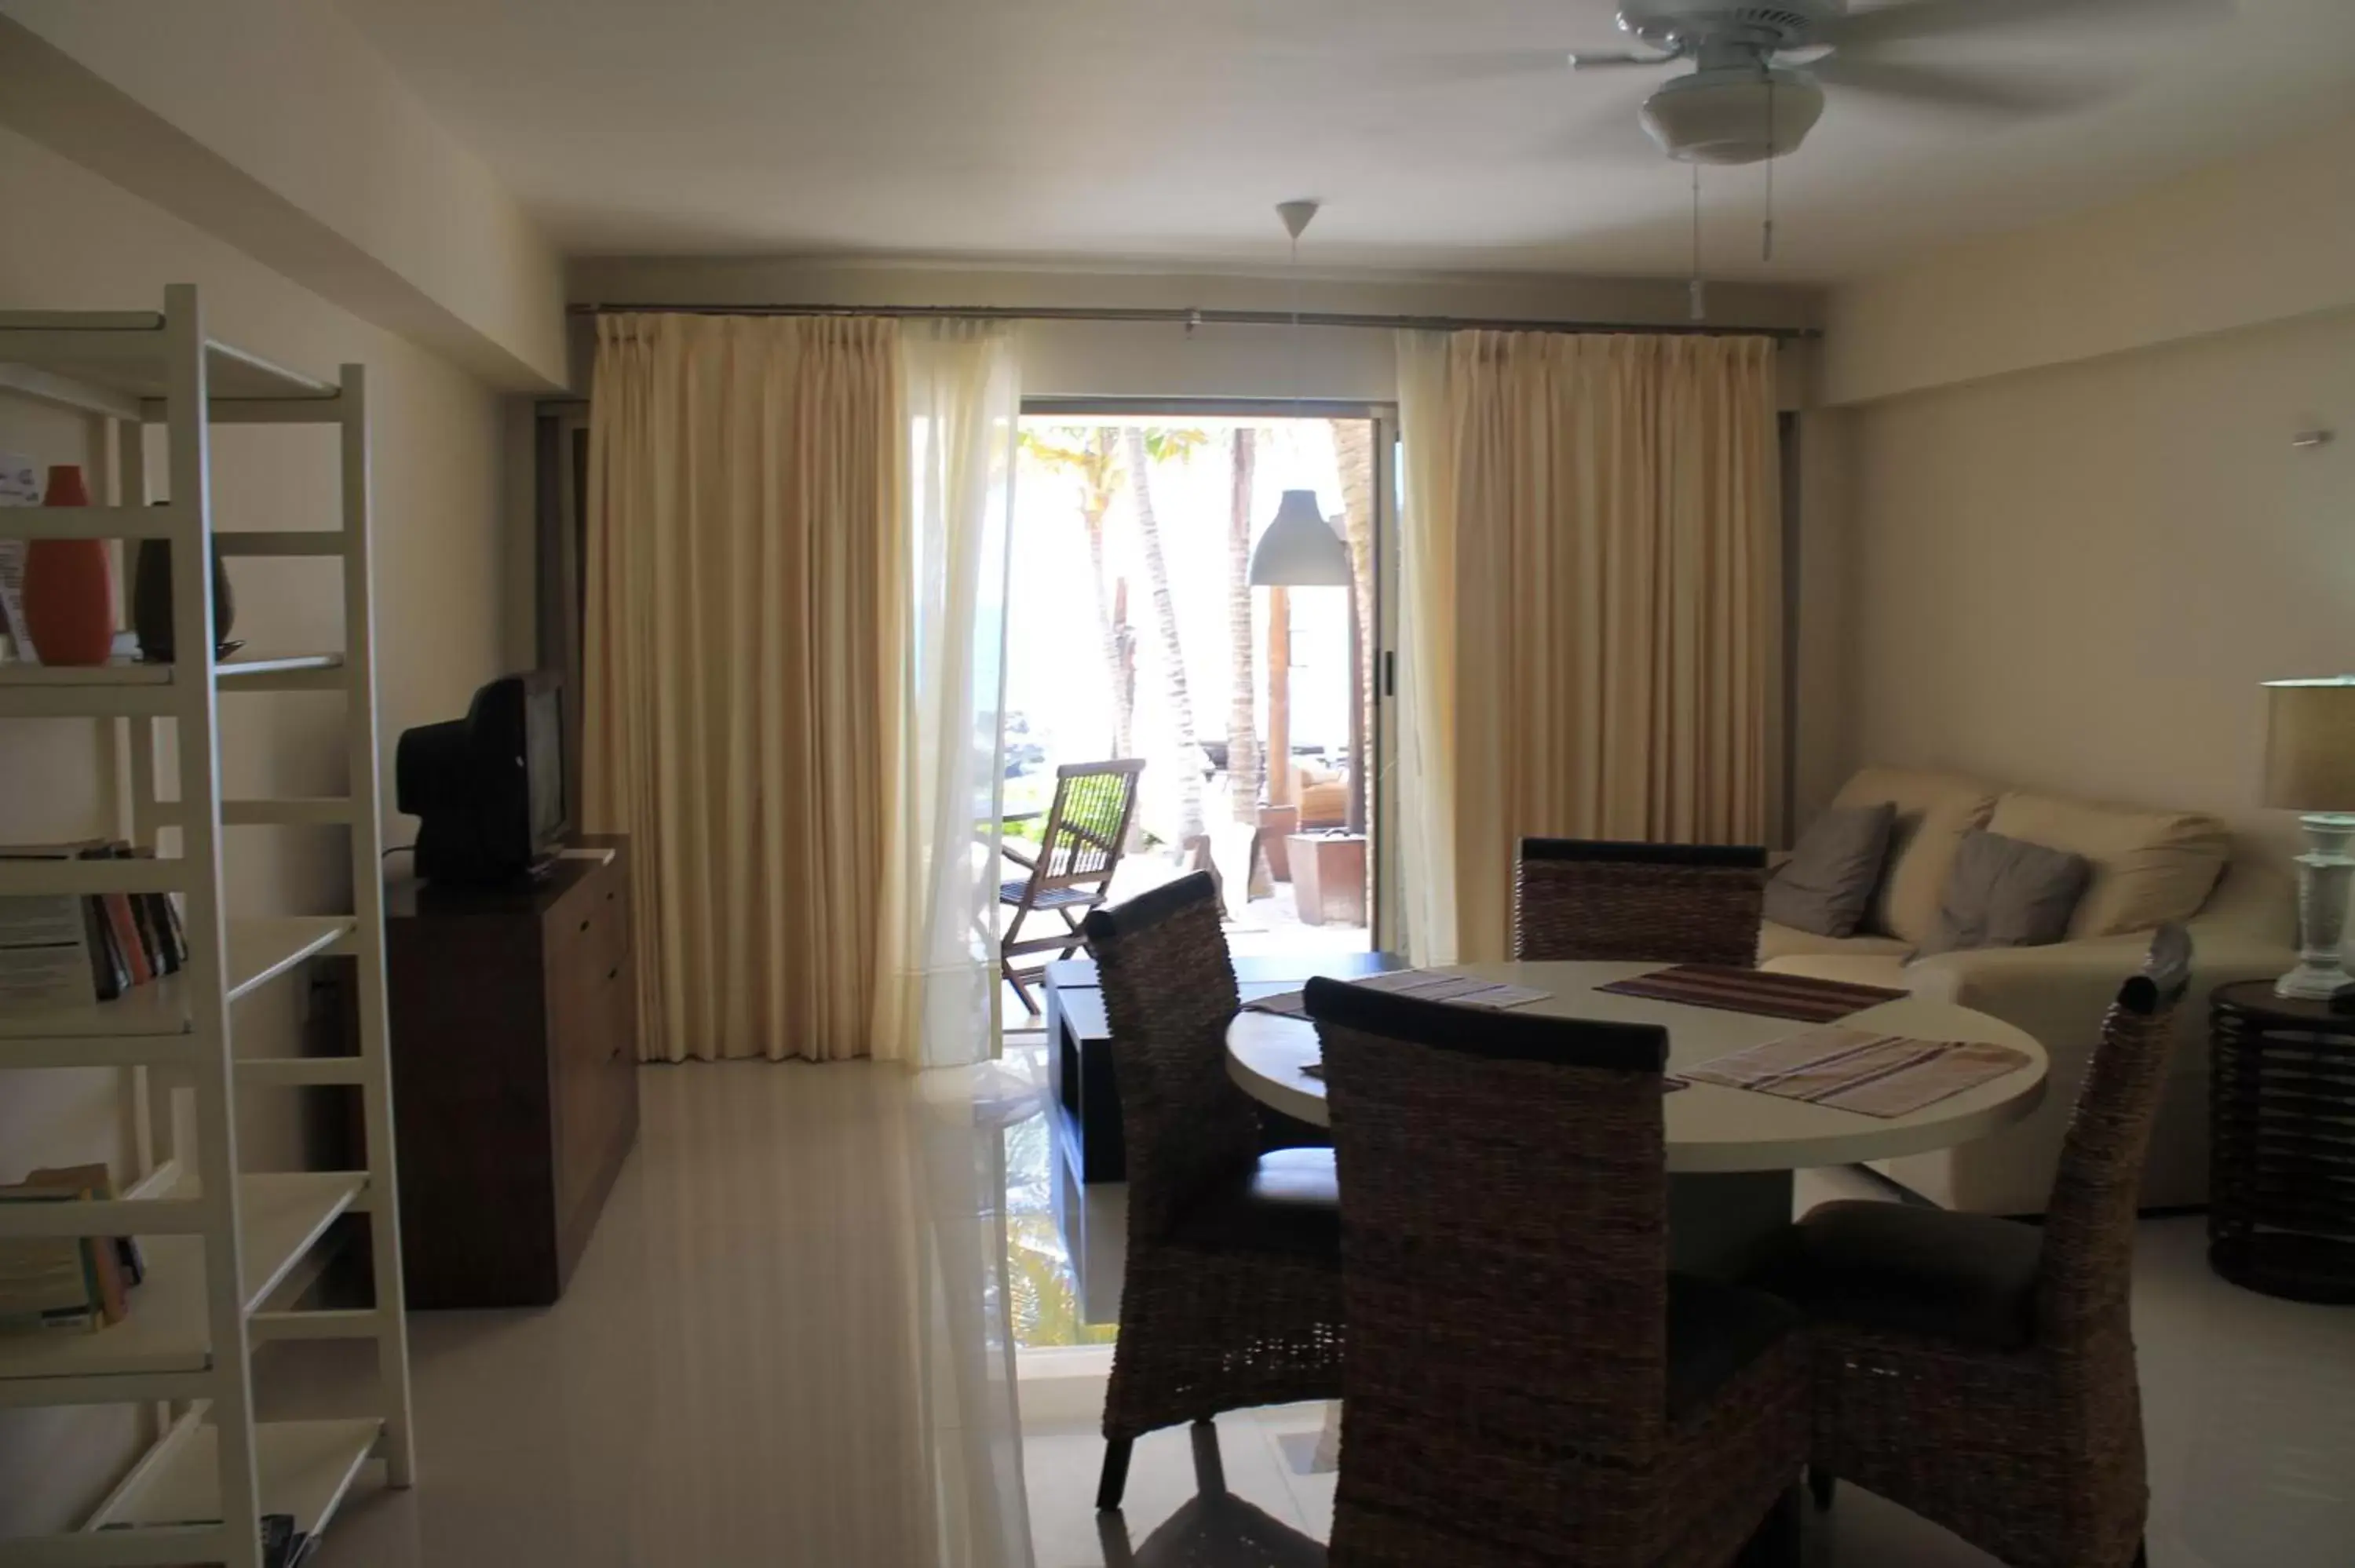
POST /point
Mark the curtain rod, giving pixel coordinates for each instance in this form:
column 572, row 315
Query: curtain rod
column 1185, row 317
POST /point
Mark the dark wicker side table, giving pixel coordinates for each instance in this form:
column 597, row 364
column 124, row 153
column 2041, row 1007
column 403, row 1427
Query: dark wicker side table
column 2280, row 1214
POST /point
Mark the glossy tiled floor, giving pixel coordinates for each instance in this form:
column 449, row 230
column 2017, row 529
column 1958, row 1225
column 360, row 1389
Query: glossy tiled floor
column 750, row 1367
column 2250, row 1417
column 766, row 1359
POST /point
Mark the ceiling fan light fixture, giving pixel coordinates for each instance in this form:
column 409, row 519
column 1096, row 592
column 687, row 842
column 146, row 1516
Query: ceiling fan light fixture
column 1734, row 115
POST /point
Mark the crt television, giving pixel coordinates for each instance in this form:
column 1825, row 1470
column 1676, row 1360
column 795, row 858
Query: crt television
column 488, row 790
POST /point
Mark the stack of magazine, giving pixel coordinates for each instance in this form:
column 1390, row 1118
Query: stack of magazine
column 64, row 947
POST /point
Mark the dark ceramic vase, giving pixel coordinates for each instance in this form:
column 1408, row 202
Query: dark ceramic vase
column 150, row 601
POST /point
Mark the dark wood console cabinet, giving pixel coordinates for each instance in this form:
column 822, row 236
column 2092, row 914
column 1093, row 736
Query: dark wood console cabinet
column 515, row 1089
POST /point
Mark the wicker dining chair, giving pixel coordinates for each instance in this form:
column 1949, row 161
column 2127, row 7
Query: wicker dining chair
column 1078, row 850
column 1525, row 1382
column 1682, row 903
column 1232, row 1295
column 1981, row 1370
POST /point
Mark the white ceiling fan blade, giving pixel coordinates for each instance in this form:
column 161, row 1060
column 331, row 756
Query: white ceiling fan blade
column 1948, row 19
column 1480, row 66
column 1954, row 89
column 1592, row 59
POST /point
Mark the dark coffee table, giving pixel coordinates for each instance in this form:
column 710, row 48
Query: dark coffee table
column 1078, row 1054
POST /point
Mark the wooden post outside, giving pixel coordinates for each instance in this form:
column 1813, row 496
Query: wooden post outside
column 1278, row 758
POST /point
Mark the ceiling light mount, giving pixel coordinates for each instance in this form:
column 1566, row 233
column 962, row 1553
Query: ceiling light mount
column 1298, row 549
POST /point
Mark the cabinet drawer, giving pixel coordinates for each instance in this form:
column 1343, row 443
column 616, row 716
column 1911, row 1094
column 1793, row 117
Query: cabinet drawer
column 589, row 929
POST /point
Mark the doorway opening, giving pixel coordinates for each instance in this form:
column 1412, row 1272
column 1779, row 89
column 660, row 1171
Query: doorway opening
column 1134, row 632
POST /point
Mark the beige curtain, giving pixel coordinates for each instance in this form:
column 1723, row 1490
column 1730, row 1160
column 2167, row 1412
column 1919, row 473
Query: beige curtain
column 744, row 628
column 1592, row 554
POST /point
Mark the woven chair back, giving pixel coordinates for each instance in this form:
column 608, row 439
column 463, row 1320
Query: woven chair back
column 1504, row 1217
column 1584, row 899
column 1169, row 992
column 2088, row 1254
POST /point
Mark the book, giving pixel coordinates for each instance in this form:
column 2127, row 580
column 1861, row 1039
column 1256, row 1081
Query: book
column 120, row 1265
column 124, row 924
column 20, row 486
column 104, row 975
column 159, row 920
column 44, row 957
column 48, row 1284
column 122, row 932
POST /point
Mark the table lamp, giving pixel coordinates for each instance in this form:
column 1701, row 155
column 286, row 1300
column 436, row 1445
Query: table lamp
column 2310, row 770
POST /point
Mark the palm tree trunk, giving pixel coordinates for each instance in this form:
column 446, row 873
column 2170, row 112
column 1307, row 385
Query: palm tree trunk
column 1242, row 724
column 1164, row 610
column 1113, row 636
column 1112, row 601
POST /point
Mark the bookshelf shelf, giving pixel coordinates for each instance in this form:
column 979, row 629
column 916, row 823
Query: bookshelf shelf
column 122, row 672
column 284, row 1213
column 260, row 951
column 137, row 672
column 130, row 356
column 307, row 1468
column 210, row 1469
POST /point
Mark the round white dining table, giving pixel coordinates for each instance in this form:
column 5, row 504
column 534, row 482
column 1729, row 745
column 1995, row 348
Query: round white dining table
column 1730, row 1152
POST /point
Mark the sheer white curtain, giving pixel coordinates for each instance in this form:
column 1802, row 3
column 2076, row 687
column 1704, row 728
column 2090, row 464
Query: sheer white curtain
column 936, row 1004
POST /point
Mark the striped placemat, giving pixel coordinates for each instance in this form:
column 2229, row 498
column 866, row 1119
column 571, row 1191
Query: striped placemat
column 1857, row 1070
column 1800, row 996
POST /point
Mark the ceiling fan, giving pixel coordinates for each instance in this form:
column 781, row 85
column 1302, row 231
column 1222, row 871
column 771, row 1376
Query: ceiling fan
column 1760, row 67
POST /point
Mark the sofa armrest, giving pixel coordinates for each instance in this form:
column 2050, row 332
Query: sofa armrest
column 2038, row 988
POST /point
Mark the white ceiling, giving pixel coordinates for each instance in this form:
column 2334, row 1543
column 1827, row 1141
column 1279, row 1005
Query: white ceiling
column 1438, row 131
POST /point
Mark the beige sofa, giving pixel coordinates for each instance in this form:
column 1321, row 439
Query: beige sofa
column 2148, row 867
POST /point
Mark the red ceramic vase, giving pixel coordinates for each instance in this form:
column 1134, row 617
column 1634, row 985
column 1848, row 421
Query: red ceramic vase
column 69, row 585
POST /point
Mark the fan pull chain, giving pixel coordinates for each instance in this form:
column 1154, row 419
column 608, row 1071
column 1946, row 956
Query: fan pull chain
column 1767, row 236
column 1698, row 288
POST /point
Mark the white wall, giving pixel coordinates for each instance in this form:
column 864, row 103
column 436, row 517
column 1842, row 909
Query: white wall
column 274, row 124
column 2064, row 533
column 2261, row 239
column 2075, row 578
column 440, row 566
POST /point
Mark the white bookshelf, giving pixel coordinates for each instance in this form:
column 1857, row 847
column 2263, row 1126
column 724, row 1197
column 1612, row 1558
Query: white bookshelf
column 222, row 1244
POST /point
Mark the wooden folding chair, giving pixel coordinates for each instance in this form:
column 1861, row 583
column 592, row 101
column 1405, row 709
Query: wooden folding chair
column 1078, row 852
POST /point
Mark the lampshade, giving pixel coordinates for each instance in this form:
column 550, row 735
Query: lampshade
column 2310, row 744
column 1300, row 549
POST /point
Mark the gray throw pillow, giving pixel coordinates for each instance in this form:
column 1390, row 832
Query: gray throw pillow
column 1827, row 885
column 2008, row 892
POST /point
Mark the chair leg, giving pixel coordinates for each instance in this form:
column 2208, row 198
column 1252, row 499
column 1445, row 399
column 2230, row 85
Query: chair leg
column 1030, row 1002
column 1114, row 1478
column 1821, row 1481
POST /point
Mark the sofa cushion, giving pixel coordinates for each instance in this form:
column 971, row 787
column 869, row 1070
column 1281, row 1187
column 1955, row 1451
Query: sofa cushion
column 2149, row 867
column 1912, row 1270
column 1779, row 941
column 1934, row 811
column 2008, row 892
column 1830, row 879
